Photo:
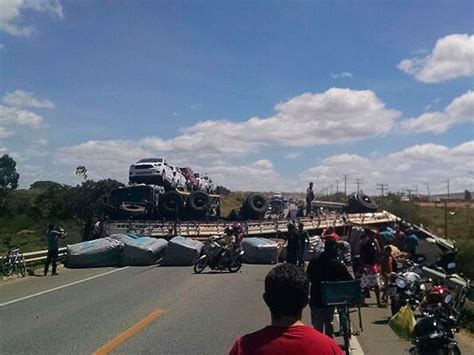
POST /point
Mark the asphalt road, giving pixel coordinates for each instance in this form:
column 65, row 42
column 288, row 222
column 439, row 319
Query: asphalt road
column 166, row 310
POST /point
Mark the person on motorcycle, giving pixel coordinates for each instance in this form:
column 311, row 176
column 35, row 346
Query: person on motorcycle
column 231, row 240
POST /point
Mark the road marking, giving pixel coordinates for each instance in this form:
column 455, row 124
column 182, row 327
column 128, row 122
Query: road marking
column 134, row 329
column 61, row 287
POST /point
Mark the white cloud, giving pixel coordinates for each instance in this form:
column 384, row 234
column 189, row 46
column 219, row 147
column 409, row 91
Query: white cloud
column 460, row 110
column 12, row 115
column 3, row 150
column 404, row 169
column 263, row 164
column 452, row 57
column 293, row 155
column 24, row 99
column 4, row 133
column 12, row 12
column 342, row 75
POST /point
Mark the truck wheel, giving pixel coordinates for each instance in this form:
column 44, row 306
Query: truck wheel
column 171, row 203
column 255, row 206
column 360, row 203
column 198, row 203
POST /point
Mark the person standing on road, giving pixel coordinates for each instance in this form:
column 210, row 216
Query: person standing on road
column 52, row 237
column 325, row 267
column 286, row 295
column 309, row 199
column 330, row 234
column 370, row 255
column 303, row 242
column 292, row 245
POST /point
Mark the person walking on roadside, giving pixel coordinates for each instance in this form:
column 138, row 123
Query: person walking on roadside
column 52, row 237
column 370, row 255
column 286, row 295
column 292, row 245
column 303, row 242
column 309, row 198
column 325, row 267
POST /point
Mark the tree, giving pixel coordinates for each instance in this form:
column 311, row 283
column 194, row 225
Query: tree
column 8, row 176
column 81, row 171
column 467, row 195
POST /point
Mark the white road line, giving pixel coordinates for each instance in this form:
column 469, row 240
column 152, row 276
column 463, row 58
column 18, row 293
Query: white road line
column 60, row 287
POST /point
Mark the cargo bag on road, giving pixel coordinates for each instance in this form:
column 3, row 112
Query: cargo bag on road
column 140, row 251
column 260, row 251
column 182, row 251
column 94, row 253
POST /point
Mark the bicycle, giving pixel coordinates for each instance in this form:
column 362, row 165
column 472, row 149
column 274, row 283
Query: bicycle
column 14, row 262
column 343, row 295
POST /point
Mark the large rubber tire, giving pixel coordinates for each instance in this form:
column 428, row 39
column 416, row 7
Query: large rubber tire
column 359, row 203
column 254, row 206
column 198, row 203
column 171, row 203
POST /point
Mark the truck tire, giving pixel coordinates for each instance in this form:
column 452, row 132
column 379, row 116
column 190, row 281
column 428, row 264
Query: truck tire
column 171, row 203
column 254, row 206
column 360, row 203
column 198, row 203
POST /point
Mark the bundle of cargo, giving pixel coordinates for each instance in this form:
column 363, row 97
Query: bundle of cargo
column 94, row 253
column 140, row 251
column 260, row 251
column 182, row 251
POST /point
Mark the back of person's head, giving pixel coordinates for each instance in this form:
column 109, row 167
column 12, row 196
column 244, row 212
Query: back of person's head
column 387, row 250
column 301, row 226
column 286, row 290
column 51, row 226
column 331, row 248
column 330, row 230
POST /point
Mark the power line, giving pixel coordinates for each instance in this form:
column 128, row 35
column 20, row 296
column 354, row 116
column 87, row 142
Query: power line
column 382, row 188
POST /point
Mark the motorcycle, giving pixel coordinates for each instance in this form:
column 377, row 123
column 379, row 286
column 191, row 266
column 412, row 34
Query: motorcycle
column 434, row 333
column 217, row 257
column 408, row 288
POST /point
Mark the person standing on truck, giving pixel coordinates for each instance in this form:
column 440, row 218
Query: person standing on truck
column 53, row 235
column 309, row 198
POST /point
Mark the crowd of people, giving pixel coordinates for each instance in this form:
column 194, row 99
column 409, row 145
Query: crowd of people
column 289, row 288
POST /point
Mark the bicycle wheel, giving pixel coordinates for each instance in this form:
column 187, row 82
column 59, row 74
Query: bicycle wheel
column 345, row 326
column 22, row 266
column 7, row 266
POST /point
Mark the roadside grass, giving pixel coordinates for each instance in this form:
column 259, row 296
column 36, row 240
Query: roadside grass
column 29, row 234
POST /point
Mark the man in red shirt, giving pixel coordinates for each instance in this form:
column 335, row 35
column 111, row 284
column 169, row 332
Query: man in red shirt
column 330, row 234
column 286, row 295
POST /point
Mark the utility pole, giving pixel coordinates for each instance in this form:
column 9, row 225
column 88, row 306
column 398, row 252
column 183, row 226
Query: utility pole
column 358, row 183
column 409, row 192
column 345, row 185
column 446, row 211
column 382, row 188
column 337, row 186
column 427, row 184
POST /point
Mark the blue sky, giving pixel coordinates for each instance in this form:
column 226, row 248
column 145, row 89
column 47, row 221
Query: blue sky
column 115, row 81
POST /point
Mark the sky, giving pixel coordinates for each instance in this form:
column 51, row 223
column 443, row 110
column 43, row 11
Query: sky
column 261, row 95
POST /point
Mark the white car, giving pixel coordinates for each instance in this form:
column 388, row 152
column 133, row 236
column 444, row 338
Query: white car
column 205, row 184
column 151, row 171
column 178, row 179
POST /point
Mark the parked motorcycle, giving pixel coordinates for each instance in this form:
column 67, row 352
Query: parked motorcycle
column 434, row 333
column 218, row 257
column 408, row 288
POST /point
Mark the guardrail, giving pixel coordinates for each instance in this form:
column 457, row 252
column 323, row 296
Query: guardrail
column 40, row 255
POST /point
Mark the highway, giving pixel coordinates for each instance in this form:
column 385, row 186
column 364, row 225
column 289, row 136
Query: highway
column 159, row 310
